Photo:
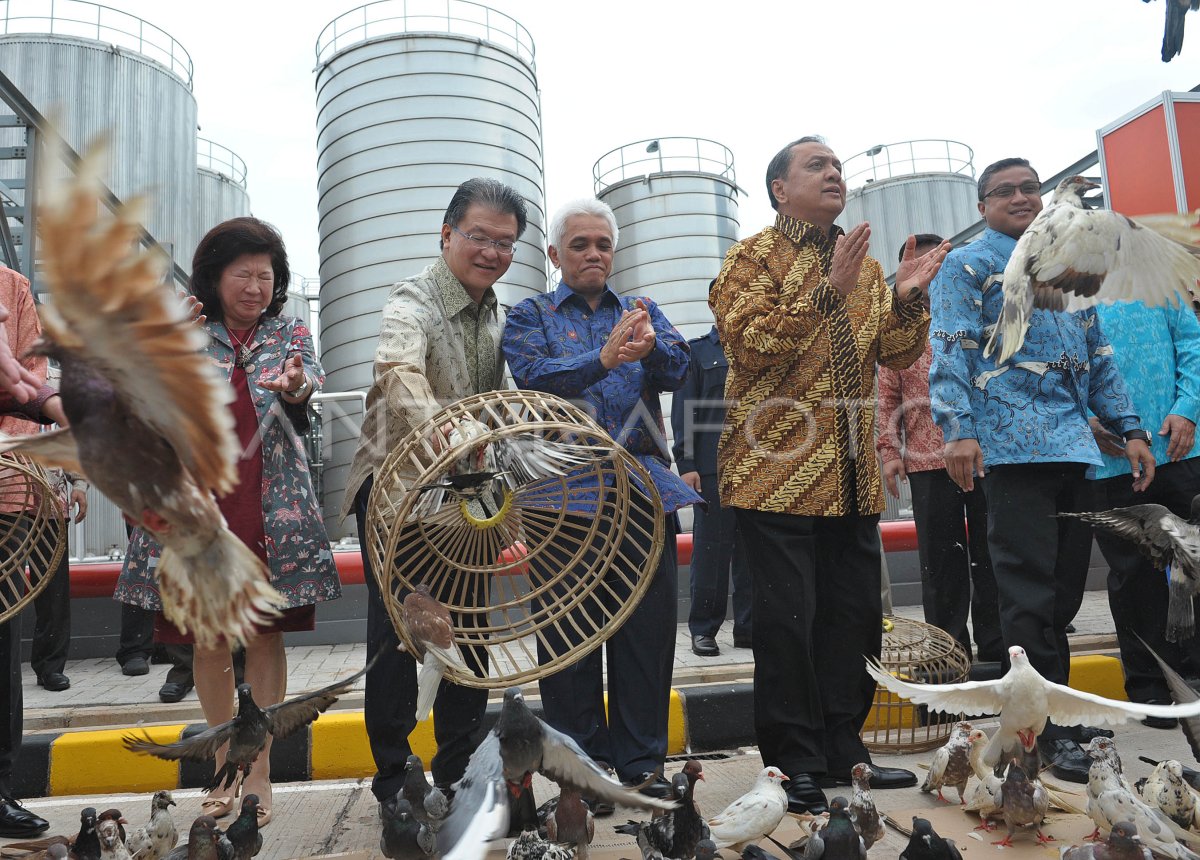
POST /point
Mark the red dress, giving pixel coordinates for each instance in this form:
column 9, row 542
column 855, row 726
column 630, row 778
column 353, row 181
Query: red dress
column 243, row 508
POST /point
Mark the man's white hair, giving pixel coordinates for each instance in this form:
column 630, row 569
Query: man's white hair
column 581, row 206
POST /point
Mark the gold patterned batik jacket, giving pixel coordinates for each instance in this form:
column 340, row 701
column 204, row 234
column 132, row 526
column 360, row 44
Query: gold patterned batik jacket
column 799, row 435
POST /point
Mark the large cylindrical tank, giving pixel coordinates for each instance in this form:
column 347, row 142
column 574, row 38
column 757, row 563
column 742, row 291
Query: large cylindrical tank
column 97, row 70
column 915, row 186
column 408, row 107
column 220, row 187
column 675, row 199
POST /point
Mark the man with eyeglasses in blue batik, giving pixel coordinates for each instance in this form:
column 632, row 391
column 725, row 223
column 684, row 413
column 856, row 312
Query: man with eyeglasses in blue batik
column 439, row 341
column 1021, row 429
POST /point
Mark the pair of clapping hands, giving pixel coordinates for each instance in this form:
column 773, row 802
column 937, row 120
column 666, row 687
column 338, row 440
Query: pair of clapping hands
column 631, row 339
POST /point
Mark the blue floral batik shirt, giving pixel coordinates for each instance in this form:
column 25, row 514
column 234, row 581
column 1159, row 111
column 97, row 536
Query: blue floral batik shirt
column 1033, row 408
column 552, row 343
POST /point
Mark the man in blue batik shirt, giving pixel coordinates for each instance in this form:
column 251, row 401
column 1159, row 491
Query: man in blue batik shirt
column 1026, row 423
column 1158, row 352
column 584, row 343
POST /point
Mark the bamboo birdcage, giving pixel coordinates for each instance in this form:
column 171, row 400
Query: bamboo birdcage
column 919, row 653
column 33, row 533
column 542, row 582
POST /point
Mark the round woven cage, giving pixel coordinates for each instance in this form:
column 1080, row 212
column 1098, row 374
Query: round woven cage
column 922, row 654
column 544, row 573
column 33, row 533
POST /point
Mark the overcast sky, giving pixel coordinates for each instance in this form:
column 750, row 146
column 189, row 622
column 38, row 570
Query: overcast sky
column 1016, row 77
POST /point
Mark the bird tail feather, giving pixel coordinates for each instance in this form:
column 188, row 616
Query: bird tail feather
column 219, row 591
column 1181, row 620
column 429, row 678
column 224, row 777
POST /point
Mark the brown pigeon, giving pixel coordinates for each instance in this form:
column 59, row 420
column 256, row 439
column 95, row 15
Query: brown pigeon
column 1122, row 844
column 1023, row 803
column 951, row 764
column 428, row 623
column 571, row 822
column 149, row 423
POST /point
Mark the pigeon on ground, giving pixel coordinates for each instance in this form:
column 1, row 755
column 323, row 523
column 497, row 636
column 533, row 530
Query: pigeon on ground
column 695, row 772
column 247, row 732
column 1023, row 803
column 111, row 846
column 401, row 831
column 837, row 840
column 1165, row 790
column 1171, row 543
column 243, row 834
column 1181, row 692
column 431, row 630
column 205, row 842
column 863, row 813
column 1122, row 844
column 150, row 427
column 1071, row 258
column 674, row 835
column 1172, row 43
column 951, row 764
column 84, row 845
column 156, row 839
column 984, row 795
column 571, row 822
column 753, row 815
column 114, row 814
column 58, row 851
column 530, row 846
column 518, row 746
column 1024, row 700
column 428, row 802
column 925, row 844
column 706, row 850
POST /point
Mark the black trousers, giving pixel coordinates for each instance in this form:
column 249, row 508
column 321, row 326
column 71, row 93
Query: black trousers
column 52, row 618
column 633, row 736
column 1137, row 593
column 956, row 567
column 391, row 694
column 817, row 614
column 716, row 555
column 1040, row 561
column 11, row 696
column 137, row 640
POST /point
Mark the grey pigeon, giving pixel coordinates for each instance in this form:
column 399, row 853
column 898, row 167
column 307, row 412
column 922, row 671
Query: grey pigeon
column 675, row 835
column 706, row 849
column 925, row 844
column 205, row 842
column 518, row 746
column 429, row 625
column 530, row 846
column 1023, row 803
column 1122, row 844
column 111, row 846
column 156, row 839
column 837, row 840
column 571, row 822
column 863, row 812
column 428, row 802
column 1181, row 692
column 247, row 732
column 1170, row 542
column 243, row 834
column 58, row 851
column 400, row 830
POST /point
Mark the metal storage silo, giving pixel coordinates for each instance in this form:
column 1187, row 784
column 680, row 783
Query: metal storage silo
column 409, row 105
column 915, row 186
column 220, row 187
column 94, row 70
column 675, row 199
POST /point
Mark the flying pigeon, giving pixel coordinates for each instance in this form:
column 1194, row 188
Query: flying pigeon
column 951, row 764
column 111, row 846
column 1023, row 803
column 244, row 834
column 1181, row 692
column 247, row 732
column 1172, row 43
column 1166, row 791
column 530, row 846
column 401, row 831
column 1171, row 543
column 518, row 746
column 674, row 835
column 495, row 463
column 1122, row 844
column 571, row 822
column 1070, row 258
column 159, row 836
column 1024, row 700
column 925, row 844
column 428, row 623
column 150, row 427
column 863, row 812
column 753, row 815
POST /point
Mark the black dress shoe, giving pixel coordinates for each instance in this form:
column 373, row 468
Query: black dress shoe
column 173, row 692
column 881, row 777
column 135, row 666
column 55, row 682
column 705, row 646
column 804, row 795
column 1066, row 759
column 1159, row 722
column 17, row 822
column 1085, row 733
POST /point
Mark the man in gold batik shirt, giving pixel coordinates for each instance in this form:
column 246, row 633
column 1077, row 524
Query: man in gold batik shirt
column 805, row 315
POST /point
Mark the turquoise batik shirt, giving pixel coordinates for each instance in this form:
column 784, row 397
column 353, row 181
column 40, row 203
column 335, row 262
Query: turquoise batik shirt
column 1158, row 352
column 1034, row 408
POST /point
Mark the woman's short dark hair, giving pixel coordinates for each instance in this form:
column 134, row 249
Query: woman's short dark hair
column 225, row 243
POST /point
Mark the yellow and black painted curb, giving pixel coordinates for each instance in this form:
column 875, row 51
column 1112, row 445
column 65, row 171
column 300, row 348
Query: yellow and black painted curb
column 704, row 717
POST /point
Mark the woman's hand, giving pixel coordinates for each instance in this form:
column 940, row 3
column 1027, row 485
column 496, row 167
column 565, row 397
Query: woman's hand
column 291, row 381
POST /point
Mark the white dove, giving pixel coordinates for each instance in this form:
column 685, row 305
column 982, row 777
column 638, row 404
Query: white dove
column 1024, row 700
column 1071, row 258
column 950, row 764
column 159, row 836
column 753, row 815
column 984, row 796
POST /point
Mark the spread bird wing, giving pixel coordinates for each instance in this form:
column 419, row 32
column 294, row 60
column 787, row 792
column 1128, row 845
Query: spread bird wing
column 479, row 813
column 54, row 448
column 1181, row 692
column 527, row 458
column 201, row 747
column 565, row 762
column 109, row 303
column 969, row 697
column 288, row 716
column 1070, row 707
column 1131, row 524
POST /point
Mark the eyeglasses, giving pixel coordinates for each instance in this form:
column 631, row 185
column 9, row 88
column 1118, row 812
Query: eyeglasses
column 1029, row 189
column 503, row 247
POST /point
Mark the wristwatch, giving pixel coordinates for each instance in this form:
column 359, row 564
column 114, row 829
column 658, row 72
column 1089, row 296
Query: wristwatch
column 304, row 386
column 1143, row 435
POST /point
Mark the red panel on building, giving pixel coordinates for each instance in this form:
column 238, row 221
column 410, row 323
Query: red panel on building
column 1150, row 158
